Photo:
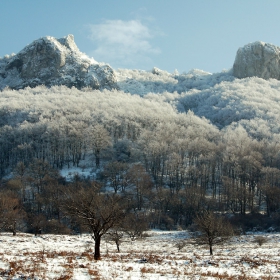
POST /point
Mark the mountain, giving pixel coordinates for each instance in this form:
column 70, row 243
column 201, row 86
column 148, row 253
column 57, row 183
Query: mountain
column 257, row 59
column 247, row 94
column 49, row 61
column 181, row 138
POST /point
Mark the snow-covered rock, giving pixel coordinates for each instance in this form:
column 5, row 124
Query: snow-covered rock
column 50, row 61
column 257, row 59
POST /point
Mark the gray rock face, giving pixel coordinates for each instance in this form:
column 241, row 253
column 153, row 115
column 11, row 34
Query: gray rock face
column 50, row 61
column 257, row 59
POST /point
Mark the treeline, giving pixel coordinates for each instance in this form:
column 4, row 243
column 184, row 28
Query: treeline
column 169, row 165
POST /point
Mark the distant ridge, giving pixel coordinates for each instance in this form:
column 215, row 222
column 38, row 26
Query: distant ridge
column 50, row 61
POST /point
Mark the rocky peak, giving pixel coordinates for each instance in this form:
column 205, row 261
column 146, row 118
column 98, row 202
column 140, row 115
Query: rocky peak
column 69, row 43
column 257, row 59
column 50, row 61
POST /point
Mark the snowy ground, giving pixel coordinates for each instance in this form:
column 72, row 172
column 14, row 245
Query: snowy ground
column 155, row 257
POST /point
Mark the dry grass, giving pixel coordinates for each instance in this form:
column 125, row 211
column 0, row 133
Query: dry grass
column 163, row 263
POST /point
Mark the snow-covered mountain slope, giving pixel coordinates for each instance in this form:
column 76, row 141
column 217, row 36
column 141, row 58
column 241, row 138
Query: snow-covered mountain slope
column 222, row 98
column 248, row 94
column 252, row 102
column 159, row 81
column 256, row 59
column 50, row 61
column 225, row 98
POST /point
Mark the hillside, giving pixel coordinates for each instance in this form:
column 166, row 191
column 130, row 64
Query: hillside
column 174, row 143
column 222, row 98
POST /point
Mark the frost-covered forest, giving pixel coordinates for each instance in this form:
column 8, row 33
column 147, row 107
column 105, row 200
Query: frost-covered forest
column 174, row 142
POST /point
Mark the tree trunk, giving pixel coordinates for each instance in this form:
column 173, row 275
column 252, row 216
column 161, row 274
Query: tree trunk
column 211, row 249
column 97, row 248
column 97, row 158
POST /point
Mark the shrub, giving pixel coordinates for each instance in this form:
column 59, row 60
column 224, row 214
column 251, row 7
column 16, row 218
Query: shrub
column 260, row 240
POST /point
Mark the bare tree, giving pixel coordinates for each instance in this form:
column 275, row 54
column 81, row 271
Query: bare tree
column 270, row 189
column 40, row 172
column 116, row 174
column 116, row 236
column 98, row 211
column 11, row 212
column 140, row 183
column 20, row 178
column 99, row 139
column 36, row 223
column 134, row 224
column 213, row 229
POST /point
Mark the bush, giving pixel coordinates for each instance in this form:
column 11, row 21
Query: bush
column 251, row 222
column 181, row 244
column 260, row 240
column 55, row 227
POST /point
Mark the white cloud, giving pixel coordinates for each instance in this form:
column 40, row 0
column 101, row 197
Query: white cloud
column 122, row 43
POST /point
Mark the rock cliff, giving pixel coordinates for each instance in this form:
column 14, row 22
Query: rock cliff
column 257, row 59
column 50, row 61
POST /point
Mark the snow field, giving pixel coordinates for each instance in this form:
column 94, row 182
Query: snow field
column 155, row 257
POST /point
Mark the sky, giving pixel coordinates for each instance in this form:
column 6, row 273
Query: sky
column 178, row 34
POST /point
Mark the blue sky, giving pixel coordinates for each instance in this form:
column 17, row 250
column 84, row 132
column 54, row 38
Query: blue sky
column 178, row 34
